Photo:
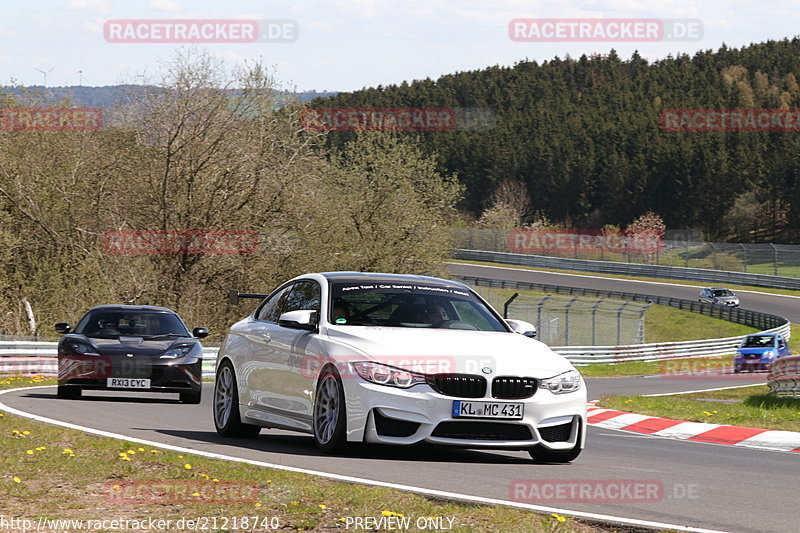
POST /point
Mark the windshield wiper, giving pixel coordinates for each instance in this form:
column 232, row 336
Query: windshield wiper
column 163, row 335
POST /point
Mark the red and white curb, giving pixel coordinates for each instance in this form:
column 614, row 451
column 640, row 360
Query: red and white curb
column 765, row 439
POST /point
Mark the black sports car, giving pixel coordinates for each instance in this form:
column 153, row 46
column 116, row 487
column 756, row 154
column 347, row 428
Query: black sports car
column 131, row 348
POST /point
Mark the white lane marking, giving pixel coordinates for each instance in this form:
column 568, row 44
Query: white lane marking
column 782, row 440
column 617, row 279
column 350, row 479
column 701, row 390
column 623, row 420
column 685, row 430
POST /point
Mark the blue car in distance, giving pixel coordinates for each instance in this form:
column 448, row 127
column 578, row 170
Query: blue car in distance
column 757, row 351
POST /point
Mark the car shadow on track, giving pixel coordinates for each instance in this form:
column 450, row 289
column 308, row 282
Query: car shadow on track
column 302, row 445
column 97, row 398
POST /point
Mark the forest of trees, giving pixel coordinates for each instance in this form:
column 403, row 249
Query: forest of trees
column 582, row 137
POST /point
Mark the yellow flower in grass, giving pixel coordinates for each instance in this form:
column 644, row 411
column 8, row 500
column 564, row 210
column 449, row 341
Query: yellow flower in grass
column 205, row 476
column 321, row 506
column 126, row 458
column 391, row 513
column 67, row 451
column 131, row 452
column 41, row 448
column 258, row 504
column 29, row 452
column 215, row 480
column 123, row 454
column 295, row 502
column 187, row 466
column 707, row 413
column 26, row 432
column 140, row 449
column 558, row 517
column 195, row 494
column 153, row 451
column 17, row 480
column 116, row 487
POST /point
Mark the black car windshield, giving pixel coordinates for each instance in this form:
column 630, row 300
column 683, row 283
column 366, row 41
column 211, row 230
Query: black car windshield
column 722, row 293
column 409, row 305
column 758, row 341
column 111, row 323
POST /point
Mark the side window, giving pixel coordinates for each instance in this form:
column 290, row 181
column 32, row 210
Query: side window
column 270, row 311
column 304, row 295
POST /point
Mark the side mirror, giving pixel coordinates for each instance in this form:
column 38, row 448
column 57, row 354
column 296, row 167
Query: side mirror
column 523, row 328
column 303, row 319
column 200, row 333
column 63, row 328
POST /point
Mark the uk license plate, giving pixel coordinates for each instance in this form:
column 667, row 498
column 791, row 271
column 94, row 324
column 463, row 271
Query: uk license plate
column 511, row 411
column 127, row 383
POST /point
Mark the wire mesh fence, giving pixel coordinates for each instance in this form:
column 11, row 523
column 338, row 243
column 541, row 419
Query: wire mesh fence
column 574, row 320
column 671, row 249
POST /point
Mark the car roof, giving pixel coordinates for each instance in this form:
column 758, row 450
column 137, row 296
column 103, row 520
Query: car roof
column 120, row 307
column 377, row 276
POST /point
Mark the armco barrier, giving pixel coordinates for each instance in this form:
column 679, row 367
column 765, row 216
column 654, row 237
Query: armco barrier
column 652, row 351
column 784, row 376
column 631, row 269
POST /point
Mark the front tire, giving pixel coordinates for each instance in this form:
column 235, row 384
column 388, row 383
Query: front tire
column 68, row 393
column 330, row 418
column 226, row 405
column 192, row 397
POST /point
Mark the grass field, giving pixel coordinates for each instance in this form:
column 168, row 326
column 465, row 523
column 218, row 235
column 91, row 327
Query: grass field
column 747, row 406
column 54, row 473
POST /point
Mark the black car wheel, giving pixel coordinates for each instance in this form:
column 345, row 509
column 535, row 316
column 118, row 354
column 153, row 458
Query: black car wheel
column 191, row 397
column 68, row 393
column 226, row 405
column 330, row 419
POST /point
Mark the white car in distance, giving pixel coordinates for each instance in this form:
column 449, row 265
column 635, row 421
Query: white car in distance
column 395, row 359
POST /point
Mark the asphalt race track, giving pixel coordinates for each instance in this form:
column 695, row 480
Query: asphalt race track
column 710, row 486
column 785, row 306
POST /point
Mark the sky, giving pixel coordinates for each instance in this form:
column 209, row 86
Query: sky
column 344, row 45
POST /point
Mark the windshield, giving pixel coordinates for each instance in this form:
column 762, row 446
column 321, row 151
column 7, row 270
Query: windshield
column 409, row 305
column 110, row 324
column 759, row 341
column 722, row 292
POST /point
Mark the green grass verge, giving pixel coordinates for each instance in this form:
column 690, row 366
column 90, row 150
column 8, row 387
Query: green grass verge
column 638, row 368
column 746, row 406
column 769, row 290
column 50, row 472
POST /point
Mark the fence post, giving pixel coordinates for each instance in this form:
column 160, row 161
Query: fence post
column 508, row 302
column 594, row 320
column 566, row 319
column 775, row 257
column 619, row 321
column 640, row 329
column 539, row 313
column 744, row 250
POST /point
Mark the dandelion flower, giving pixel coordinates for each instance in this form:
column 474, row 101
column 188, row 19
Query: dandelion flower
column 126, row 458
column 140, row 449
column 258, row 504
column 17, row 480
column 321, row 506
column 205, row 476
column 26, row 432
column 295, row 502
column 67, row 450
column 29, row 452
column 215, row 480
column 116, row 487
column 187, row 466
column 131, row 452
column 391, row 513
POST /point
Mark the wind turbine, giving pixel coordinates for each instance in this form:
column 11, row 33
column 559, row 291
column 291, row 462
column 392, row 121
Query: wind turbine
column 80, row 77
column 44, row 73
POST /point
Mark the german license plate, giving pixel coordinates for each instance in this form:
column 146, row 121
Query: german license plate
column 127, row 383
column 462, row 409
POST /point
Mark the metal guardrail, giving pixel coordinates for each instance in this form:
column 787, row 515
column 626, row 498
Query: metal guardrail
column 652, row 351
column 784, row 376
column 631, row 269
column 39, row 358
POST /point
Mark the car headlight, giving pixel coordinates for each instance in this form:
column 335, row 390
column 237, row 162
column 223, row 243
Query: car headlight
column 177, row 351
column 769, row 354
column 388, row 375
column 82, row 348
column 569, row 381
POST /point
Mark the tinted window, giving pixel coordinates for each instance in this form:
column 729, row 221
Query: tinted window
column 110, row 323
column 270, row 310
column 409, row 305
column 304, row 295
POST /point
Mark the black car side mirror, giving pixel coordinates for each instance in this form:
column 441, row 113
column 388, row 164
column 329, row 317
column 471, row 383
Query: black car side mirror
column 63, row 328
column 200, row 333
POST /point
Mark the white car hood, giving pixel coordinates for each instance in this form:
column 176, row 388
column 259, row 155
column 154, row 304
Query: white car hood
column 451, row 350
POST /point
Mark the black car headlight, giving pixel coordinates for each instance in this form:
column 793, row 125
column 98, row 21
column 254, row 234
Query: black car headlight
column 174, row 352
column 388, row 375
column 569, row 381
column 81, row 348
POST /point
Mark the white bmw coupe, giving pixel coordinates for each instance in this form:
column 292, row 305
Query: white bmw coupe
column 395, row 359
